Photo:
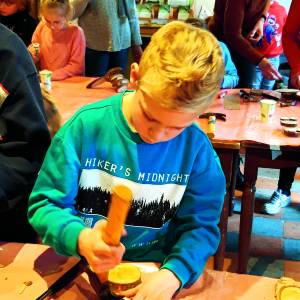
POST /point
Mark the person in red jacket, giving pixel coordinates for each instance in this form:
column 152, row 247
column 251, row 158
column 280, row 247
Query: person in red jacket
column 291, row 45
column 270, row 45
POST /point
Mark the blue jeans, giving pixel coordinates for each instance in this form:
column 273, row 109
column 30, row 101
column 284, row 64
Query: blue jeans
column 97, row 63
column 258, row 81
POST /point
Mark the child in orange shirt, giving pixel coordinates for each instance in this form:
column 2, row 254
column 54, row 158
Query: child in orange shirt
column 61, row 45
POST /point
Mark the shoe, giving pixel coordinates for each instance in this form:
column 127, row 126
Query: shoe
column 277, row 201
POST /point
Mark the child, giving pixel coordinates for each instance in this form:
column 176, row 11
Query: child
column 147, row 140
column 231, row 78
column 270, row 45
column 61, row 45
column 14, row 14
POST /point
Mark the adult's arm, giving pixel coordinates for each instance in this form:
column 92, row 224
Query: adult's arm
column 136, row 39
column 233, row 23
column 78, row 7
column 23, row 147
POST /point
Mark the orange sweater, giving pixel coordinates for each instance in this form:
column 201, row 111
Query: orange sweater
column 61, row 52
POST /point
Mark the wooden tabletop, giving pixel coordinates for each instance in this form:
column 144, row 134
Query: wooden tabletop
column 40, row 264
column 244, row 124
column 71, row 94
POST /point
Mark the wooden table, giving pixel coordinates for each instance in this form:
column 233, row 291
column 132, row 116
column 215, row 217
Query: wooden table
column 260, row 155
column 40, row 264
column 71, row 94
column 262, row 143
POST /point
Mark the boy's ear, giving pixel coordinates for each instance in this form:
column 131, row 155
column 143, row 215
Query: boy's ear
column 134, row 76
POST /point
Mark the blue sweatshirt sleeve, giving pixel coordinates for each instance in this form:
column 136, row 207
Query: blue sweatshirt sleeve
column 195, row 227
column 52, row 210
column 231, row 77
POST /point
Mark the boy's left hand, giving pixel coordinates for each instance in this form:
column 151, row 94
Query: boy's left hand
column 160, row 285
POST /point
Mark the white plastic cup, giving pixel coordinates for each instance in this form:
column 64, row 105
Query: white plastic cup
column 46, row 79
column 267, row 110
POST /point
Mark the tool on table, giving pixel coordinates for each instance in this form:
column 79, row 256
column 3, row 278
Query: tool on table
column 255, row 95
column 289, row 121
column 289, row 126
column 121, row 200
column 232, row 102
column 115, row 77
column 212, row 117
column 288, row 97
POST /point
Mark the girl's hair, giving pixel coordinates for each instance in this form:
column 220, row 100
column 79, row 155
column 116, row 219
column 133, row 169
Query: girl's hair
column 52, row 115
column 21, row 4
column 64, row 5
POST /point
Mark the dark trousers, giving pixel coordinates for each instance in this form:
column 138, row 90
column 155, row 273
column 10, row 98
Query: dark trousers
column 14, row 225
column 97, row 63
column 286, row 178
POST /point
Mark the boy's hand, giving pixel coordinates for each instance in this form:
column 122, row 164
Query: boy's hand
column 100, row 256
column 160, row 285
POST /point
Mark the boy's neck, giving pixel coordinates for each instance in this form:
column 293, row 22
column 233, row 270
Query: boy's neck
column 127, row 103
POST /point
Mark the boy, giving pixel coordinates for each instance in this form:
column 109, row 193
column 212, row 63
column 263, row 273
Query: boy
column 270, row 45
column 147, row 140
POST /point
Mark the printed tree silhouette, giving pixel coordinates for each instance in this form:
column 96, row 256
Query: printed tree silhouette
column 142, row 212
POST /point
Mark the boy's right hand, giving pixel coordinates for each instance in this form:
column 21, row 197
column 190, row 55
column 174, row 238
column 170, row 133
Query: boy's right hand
column 100, row 256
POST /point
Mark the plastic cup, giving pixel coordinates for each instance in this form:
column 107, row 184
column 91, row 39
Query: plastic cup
column 36, row 47
column 267, row 109
column 46, row 79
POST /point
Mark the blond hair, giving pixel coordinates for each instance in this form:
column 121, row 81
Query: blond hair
column 52, row 115
column 64, row 5
column 182, row 67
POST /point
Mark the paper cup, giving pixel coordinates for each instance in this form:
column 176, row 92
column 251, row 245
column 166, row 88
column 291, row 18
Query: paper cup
column 46, row 79
column 267, row 109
